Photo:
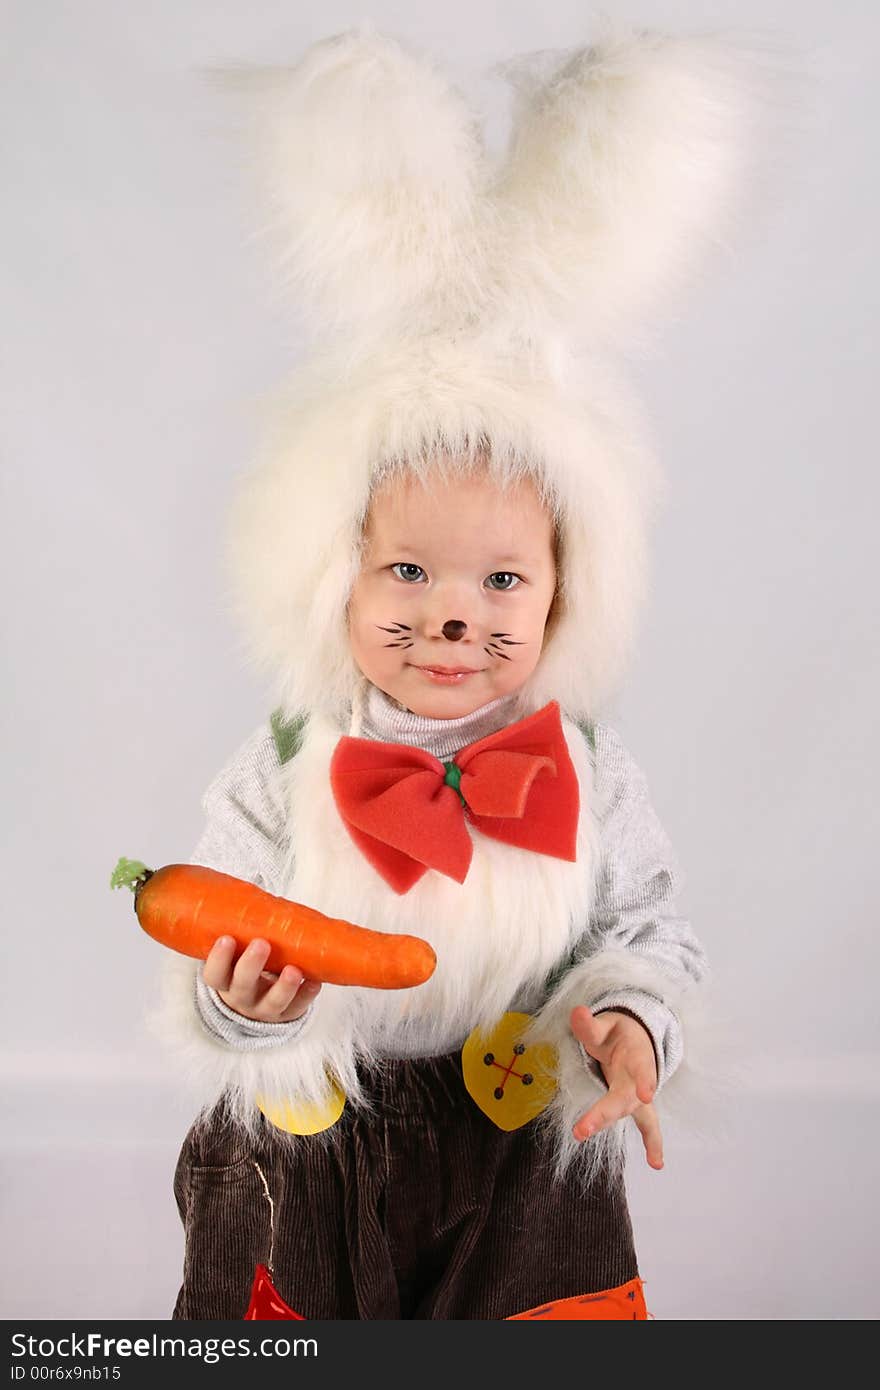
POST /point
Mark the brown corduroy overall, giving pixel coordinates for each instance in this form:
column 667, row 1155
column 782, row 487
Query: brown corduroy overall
column 424, row 1210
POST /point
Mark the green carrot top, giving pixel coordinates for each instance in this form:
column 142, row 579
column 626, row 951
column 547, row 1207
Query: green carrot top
column 128, row 873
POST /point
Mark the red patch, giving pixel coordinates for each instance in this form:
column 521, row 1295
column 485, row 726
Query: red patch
column 266, row 1302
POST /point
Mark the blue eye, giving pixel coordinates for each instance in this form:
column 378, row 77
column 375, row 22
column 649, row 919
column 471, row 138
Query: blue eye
column 503, row 574
column 409, row 578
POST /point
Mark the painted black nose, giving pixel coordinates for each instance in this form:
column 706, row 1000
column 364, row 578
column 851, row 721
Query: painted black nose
column 454, row 630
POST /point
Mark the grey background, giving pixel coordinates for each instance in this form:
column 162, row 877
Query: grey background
column 139, row 333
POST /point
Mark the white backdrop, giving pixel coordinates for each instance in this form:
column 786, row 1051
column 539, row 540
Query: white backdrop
column 140, row 333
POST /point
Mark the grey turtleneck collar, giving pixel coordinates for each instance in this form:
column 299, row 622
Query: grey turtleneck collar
column 389, row 722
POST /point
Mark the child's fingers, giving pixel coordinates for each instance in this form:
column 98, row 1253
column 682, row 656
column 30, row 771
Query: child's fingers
column 308, row 990
column 618, row 1102
column 247, row 971
column 646, row 1083
column 649, row 1126
column 588, row 1029
column 289, row 997
column 217, row 969
column 252, row 991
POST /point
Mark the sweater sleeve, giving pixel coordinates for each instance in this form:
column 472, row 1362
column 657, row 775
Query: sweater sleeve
column 635, row 910
column 244, row 835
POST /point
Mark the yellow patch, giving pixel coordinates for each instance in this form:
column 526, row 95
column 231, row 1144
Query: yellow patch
column 307, row 1117
column 511, row 1082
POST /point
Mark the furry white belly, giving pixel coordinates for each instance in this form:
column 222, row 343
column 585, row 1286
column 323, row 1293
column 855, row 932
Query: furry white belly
column 497, row 936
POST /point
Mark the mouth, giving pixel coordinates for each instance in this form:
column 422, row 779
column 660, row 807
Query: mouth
column 451, row 675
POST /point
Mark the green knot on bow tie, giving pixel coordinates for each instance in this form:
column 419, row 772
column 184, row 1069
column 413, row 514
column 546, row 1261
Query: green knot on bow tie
column 453, row 779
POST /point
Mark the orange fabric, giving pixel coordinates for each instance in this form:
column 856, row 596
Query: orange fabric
column 518, row 785
column 626, row 1303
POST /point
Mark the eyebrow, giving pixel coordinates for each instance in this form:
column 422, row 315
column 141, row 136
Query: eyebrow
column 505, row 559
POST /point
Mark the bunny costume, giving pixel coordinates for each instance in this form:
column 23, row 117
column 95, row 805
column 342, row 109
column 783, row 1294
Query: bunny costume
column 463, row 311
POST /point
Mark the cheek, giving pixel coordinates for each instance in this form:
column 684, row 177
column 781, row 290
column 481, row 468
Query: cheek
column 363, row 618
column 542, row 602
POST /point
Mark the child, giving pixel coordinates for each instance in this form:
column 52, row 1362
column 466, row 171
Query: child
column 440, row 561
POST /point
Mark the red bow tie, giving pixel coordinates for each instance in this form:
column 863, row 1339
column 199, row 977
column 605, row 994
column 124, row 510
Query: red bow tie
column 406, row 810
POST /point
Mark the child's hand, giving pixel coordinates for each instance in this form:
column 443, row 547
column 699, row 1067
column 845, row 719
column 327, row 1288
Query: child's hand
column 252, row 991
column 622, row 1046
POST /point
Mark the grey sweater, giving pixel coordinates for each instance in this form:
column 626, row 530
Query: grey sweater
column 637, row 877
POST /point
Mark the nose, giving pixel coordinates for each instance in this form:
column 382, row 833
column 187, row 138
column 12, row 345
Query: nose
column 454, row 629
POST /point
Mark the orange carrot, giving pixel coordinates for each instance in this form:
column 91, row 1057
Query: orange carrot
column 187, row 907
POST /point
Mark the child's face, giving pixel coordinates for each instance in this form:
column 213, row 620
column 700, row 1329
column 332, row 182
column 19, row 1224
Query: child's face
column 460, row 575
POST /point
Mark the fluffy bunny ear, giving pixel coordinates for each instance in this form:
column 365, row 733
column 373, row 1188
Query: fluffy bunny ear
column 368, row 163
column 626, row 160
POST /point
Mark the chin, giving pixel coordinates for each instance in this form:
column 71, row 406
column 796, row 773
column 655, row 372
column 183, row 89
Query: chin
column 448, row 708
column 439, row 702
column 436, row 712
